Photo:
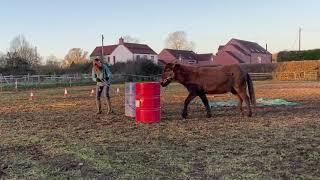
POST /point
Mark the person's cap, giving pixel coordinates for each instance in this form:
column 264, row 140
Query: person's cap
column 97, row 59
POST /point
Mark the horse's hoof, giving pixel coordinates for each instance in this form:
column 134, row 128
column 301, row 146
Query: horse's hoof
column 249, row 114
column 209, row 115
column 184, row 115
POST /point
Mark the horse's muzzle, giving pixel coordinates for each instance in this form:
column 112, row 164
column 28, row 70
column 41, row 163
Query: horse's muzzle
column 165, row 82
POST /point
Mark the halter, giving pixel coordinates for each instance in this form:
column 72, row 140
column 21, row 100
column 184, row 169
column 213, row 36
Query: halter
column 168, row 78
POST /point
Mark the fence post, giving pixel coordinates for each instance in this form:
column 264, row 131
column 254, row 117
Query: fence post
column 25, row 81
column 16, row 85
column 1, row 81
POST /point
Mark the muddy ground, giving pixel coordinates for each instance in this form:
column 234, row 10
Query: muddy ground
column 53, row 137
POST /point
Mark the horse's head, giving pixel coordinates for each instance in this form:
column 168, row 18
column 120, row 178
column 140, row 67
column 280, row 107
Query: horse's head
column 168, row 74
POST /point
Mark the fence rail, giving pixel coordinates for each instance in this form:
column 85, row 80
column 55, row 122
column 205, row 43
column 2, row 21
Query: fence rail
column 35, row 81
column 261, row 76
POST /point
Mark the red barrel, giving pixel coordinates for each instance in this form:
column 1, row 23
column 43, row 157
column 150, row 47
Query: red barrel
column 148, row 108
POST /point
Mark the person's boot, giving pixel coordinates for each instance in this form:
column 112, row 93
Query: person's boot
column 109, row 110
column 98, row 103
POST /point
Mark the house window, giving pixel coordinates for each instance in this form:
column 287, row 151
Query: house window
column 138, row 57
column 191, row 61
column 108, row 59
column 152, row 57
column 114, row 59
column 145, row 57
column 259, row 60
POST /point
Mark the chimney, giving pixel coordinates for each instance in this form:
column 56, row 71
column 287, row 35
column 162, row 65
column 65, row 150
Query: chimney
column 266, row 47
column 121, row 41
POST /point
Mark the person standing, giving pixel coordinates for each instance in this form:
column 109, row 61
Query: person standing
column 102, row 75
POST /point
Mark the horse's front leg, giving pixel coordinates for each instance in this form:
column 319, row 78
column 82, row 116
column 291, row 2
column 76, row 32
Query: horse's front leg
column 186, row 103
column 206, row 104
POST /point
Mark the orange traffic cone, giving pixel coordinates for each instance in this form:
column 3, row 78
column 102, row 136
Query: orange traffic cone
column 31, row 96
column 92, row 92
column 65, row 93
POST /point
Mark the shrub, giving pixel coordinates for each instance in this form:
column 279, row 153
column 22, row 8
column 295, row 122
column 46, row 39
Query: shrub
column 298, row 55
column 141, row 67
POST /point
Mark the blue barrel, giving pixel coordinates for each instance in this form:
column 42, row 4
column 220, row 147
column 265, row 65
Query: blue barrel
column 130, row 99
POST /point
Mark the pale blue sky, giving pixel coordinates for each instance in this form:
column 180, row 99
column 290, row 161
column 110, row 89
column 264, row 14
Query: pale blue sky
column 55, row 26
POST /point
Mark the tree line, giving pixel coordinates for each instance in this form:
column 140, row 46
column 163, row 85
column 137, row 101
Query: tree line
column 313, row 54
column 23, row 58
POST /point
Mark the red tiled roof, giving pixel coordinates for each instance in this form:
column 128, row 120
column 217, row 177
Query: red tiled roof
column 220, row 47
column 205, row 57
column 132, row 47
column 252, row 46
column 162, row 62
column 107, row 50
column 183, row 54
column 235, row 56
column 139, row 48
column 240, row 49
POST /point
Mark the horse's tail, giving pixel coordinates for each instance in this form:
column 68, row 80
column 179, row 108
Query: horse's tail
column 252, row 95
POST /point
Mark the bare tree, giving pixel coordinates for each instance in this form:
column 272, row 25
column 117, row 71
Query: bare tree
column 20, row 48
column 178, row 40
column 130, row 39
column 75, row 56
column 3, row 61
column 53, row 61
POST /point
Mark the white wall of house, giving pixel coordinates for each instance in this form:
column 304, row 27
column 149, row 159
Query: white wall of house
column 121, row 54
column 147, row 56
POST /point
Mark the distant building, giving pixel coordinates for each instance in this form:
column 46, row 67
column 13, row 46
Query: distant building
column 123, row 52
column 186, row 57
column 239, row 51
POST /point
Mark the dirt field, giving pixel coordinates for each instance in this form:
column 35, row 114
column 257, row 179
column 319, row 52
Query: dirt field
column 53, row 137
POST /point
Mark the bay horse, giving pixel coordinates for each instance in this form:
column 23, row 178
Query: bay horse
column 202, row 80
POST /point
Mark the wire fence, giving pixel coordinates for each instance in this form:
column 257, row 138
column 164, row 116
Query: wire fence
column 66, row 80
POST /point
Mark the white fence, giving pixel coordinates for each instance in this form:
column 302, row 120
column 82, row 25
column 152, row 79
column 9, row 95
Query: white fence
column 25, row 81
column 34, row 81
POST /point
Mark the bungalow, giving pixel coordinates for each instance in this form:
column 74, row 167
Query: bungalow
column 123, row 52
column 186, row 57
column 239, row 51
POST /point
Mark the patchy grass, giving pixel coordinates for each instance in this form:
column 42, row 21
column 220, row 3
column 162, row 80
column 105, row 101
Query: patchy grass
column 53, row 137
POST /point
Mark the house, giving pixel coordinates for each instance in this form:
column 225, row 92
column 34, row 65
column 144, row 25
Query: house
column 186, row 57
column 239, row 51
column 123, row 52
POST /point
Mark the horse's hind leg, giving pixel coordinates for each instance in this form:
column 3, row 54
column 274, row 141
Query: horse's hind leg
column 186, row 103
column 239, row 108
column 206, row 104
column 244, row 96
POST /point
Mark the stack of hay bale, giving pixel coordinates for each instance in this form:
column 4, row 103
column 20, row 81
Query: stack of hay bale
column 298, row 70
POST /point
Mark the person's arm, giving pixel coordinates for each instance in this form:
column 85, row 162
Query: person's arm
column 107, row 73
column 94, row 76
